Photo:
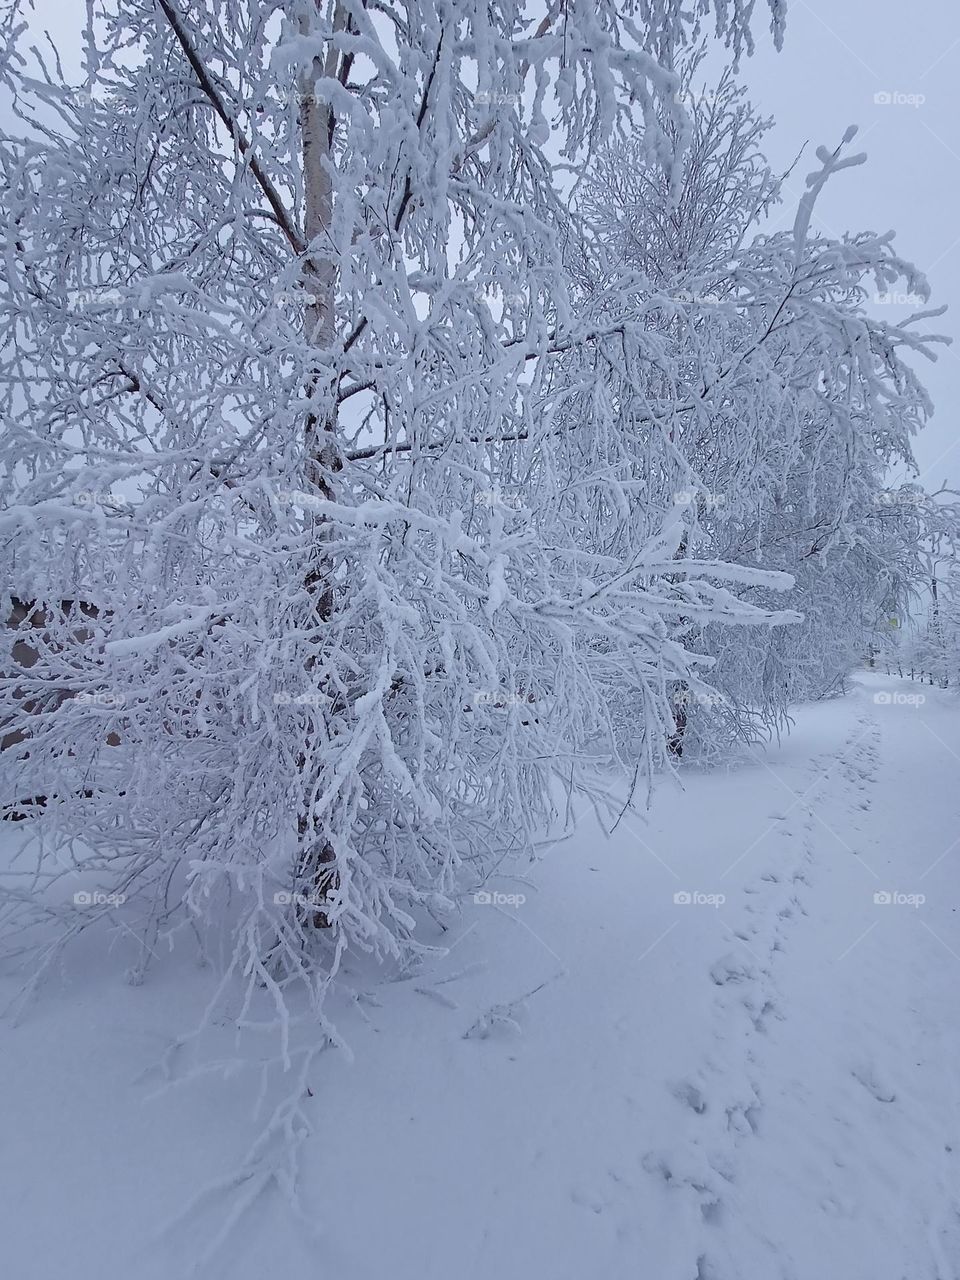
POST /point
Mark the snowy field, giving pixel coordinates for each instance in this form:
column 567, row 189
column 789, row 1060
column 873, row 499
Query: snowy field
column 720, row 1045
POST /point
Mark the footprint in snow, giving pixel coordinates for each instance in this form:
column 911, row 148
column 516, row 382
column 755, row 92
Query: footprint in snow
column 730, row 968
column 689, row 1095
column 587, row 1201
column 870, row 1079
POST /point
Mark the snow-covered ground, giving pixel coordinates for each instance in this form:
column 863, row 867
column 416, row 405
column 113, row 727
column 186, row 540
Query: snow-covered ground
column 704, row 1049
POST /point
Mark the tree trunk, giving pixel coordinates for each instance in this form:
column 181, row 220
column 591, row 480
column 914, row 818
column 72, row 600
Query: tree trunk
column 316, row 874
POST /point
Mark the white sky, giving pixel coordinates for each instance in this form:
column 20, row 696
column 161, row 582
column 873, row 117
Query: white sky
column 837, row 55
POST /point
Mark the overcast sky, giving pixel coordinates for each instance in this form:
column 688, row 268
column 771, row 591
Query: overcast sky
column 838, row 55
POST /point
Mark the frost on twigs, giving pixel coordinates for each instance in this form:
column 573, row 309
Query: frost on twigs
column 362, row 479
column 502, row 1020
column 306, row 413
column 333, row 519
column 772, row 400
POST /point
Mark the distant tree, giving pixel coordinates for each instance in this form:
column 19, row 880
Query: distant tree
column 772, row 404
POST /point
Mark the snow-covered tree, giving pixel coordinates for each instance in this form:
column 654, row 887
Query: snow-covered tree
column 930, row 649
column 300, row 402
column 775, row 405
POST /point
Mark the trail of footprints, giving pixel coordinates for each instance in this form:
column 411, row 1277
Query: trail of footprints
column 724, row 1098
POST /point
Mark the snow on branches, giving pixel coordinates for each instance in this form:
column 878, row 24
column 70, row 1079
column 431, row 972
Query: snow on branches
column 302, row 403
column 771, row 400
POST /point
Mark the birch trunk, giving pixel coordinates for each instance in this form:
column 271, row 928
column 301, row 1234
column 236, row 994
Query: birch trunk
column 316, row 863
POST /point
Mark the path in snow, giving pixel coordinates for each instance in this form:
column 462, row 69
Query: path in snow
column 765, row 1089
